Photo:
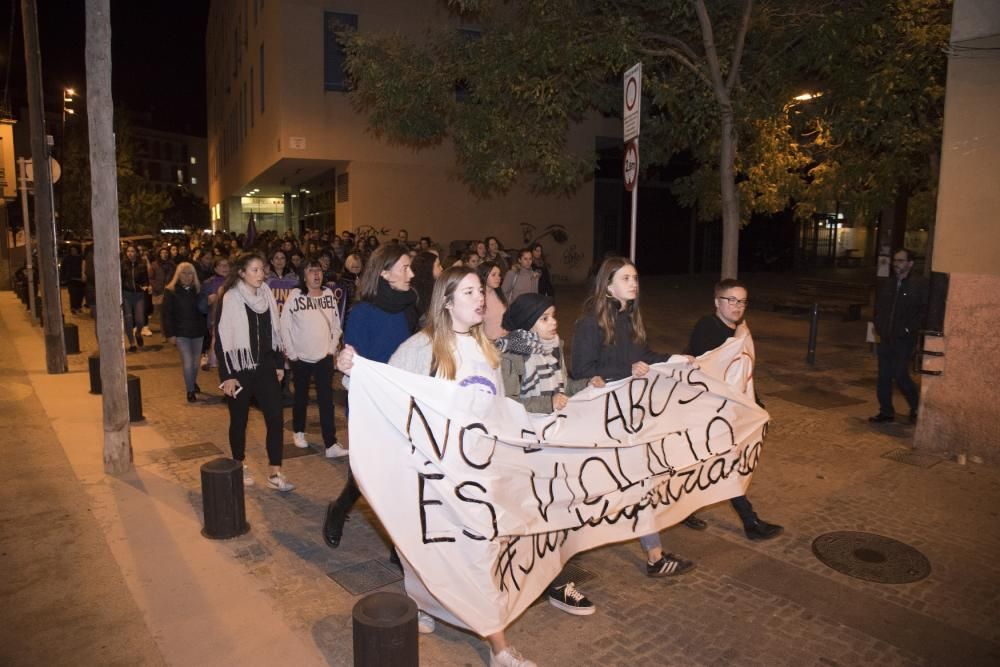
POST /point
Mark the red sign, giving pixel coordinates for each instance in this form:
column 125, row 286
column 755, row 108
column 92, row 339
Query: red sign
column 631, row 165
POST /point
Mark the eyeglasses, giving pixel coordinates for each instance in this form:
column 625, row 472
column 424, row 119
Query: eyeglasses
column 733, row 301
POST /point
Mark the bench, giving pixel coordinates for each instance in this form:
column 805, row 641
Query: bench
column 845, row 299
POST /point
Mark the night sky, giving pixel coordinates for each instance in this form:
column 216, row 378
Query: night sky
column 157, row 57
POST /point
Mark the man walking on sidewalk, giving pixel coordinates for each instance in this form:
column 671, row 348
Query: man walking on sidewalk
column 899, row 314
column 709, row 333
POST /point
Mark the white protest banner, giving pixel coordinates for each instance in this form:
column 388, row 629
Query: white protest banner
column 486, row 502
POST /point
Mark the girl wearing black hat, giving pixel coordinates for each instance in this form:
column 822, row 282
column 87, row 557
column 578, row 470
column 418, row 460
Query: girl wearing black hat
column 534, row 374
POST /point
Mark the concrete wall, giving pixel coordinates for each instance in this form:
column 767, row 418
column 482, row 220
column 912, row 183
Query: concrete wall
column 958, row 408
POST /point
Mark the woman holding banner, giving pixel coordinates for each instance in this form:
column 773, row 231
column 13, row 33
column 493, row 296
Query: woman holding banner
column 453, row 346
column 609, row 343
column 383, row 318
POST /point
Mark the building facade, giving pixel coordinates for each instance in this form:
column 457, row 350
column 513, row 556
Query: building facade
column 286, row 146
column 959, row 398
column 168, row 160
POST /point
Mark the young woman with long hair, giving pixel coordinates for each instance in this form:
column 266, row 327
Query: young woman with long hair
column 384, row 316
column 491, row 275
column 251, row 363
column 184, row 324
column 609, row 343
column 453, row 346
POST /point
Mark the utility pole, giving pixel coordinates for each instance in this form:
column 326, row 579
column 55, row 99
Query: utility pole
column 104, row 213
column 55, row 344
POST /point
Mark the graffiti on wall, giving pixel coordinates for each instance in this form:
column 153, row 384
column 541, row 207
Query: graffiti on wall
column 564, row 259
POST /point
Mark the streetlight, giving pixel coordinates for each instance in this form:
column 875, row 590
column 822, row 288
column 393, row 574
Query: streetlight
column 68, row 95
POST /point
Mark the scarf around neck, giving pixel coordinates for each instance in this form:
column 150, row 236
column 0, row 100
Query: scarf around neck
column 234, row 326
column 395, row 301
column 543, row 374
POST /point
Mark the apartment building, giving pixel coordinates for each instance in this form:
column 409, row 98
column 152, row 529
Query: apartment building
column 286, row 146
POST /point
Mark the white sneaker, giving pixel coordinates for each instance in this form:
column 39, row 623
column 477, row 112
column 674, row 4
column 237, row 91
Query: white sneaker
column 300, row 440
column 335, row 451
column 146, row 332
column 278, row 481
column 425, row 623
column 247, row 477
column 510, row 657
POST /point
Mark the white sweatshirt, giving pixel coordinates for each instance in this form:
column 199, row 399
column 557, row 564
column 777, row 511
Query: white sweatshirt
column 310, row 325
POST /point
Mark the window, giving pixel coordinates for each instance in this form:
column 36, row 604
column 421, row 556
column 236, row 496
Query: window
column 334, row 58
column 260, row 66
column 194, row 180
column 194, row 160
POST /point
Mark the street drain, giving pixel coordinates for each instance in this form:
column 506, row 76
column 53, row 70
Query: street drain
column 364, row 577
column 871, row 557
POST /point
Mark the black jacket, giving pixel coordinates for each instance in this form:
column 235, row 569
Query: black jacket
column 591, row 357
column 135, row 277
column 180, row 315
column 900, row 308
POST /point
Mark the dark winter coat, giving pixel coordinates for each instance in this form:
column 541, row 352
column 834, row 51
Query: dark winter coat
column 180, row 315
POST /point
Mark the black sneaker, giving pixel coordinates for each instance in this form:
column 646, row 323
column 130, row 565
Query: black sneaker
column 669, row 565
column 570, row 600
column 762, row 530
column 694, row 523
column 881, row 418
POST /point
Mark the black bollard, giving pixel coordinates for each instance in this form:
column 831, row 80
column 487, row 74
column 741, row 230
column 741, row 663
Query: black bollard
column 813, row 326
column 222, row 499
column 94, row 365
column 71, row 334
column 385, row 631
column 134, row 399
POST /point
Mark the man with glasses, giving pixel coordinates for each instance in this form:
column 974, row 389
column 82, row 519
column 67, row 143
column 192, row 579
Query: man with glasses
column 709, row 333
column 899, row 314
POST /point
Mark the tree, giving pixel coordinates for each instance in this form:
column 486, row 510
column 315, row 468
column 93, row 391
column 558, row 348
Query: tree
column 719, row 77
column 186, row 210
column 140, row 209
column 882, row 67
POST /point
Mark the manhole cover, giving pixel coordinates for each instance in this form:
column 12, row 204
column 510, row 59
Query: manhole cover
column 871, row 557
column 364, row 577
column 911, row 457
column 196, row 451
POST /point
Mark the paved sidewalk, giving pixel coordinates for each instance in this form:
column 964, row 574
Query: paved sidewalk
column 273, row 594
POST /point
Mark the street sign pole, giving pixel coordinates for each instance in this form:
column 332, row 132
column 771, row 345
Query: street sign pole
column 29, row 272
column 632, row 103
column 635, row 205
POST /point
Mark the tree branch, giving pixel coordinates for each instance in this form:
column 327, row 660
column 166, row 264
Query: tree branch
column 673, row 41
column 734, row 68
column 680, row 58
column 711, row 55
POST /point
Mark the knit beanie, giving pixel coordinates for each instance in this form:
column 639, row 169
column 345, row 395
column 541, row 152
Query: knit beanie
column 525, row 311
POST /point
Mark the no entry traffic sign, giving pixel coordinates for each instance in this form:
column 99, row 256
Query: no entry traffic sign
column 632, row 101
column 631, row 165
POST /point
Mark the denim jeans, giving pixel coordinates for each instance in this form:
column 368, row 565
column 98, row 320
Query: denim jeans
column 190, row 349
column 134, row 309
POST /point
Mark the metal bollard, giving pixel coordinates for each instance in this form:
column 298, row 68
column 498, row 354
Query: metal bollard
column 94, row 366
column 134, row 398
column 71, row 334
column 222, row 499
column 385, row 631
column 813, row 326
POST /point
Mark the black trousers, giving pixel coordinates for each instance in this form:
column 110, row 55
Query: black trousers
column 261, row 384
column 302, row 373
column 77, row 290
column 894, row 359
